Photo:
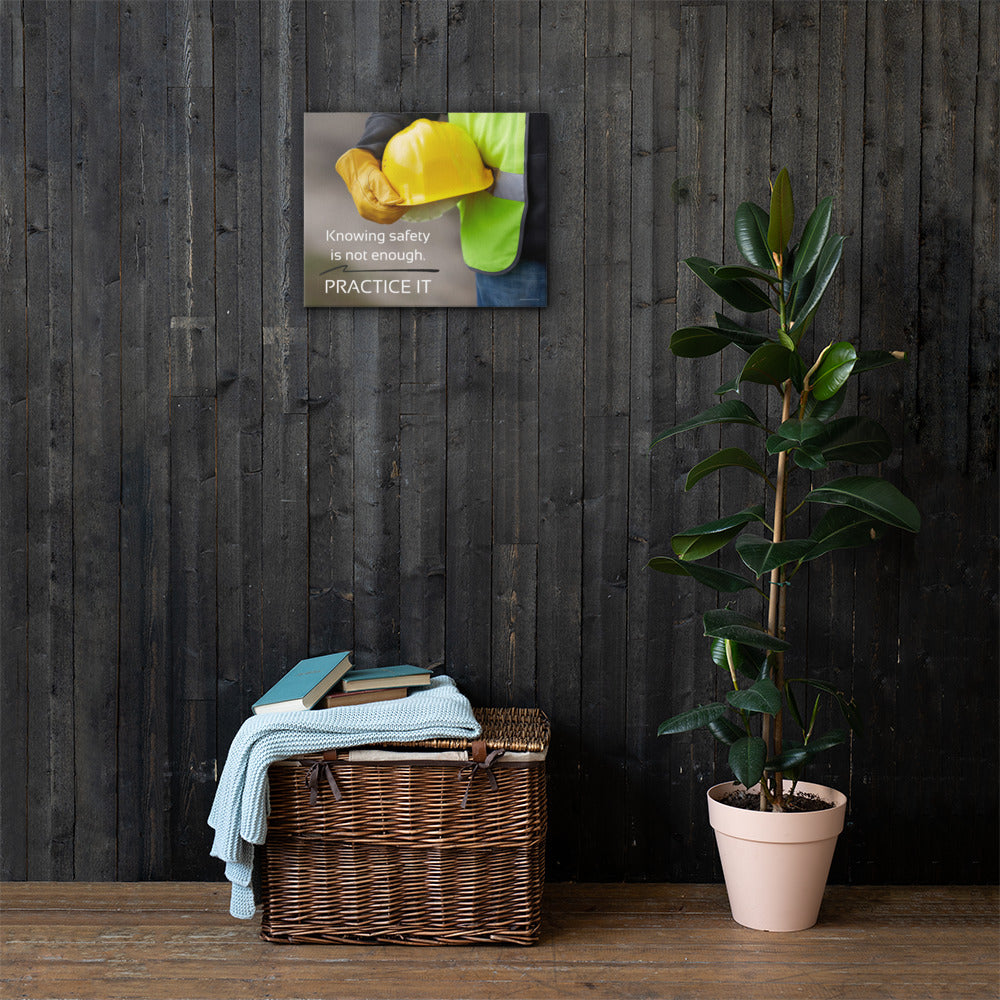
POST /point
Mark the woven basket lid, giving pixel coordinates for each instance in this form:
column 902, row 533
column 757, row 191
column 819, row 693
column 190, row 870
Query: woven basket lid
column 524, row 730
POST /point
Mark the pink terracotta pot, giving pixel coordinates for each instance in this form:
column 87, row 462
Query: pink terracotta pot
column 776, row 864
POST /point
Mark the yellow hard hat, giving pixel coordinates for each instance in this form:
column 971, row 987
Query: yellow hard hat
column 429, row 161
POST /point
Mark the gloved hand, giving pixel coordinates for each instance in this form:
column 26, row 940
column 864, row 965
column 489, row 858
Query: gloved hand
column 374, row 197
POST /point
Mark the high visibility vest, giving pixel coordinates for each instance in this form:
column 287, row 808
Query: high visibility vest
column 492, row 222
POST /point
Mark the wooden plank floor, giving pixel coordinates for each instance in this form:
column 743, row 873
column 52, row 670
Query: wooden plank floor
column 112, row 941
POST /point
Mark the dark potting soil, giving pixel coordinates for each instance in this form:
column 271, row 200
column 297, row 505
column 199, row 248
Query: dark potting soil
column 800, row 802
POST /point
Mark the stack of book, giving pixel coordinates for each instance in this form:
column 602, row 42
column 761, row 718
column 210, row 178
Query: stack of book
column 330, row 681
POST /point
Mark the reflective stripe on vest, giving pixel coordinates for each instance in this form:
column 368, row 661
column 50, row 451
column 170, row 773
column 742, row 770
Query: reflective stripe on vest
column 492, row 224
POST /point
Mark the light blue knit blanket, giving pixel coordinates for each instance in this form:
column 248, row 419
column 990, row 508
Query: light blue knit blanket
column 239, row 812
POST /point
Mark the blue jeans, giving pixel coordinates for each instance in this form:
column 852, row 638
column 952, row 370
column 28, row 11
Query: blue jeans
column 525, row 284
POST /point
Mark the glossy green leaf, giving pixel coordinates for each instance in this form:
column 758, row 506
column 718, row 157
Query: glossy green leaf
column 809, row 457
column 746, row 758
column 871, row 496
column 794, row 432
column 869, row 360
column 704, row 539
column 751, row 235
column 742, row 336
column 723, row 623
column 737, row 271
column 782, row 215
column 792, row 756
column 793, row 706
column 733, row 385
column 761, row 555
column 717, row 579
column 732, row 411
column 748, row 661
column 813, row 237
column 773, row 364
column 763, row 697
column 859, row 440
column 834, row 370
column 702, row 341
column 841, row 528
column 697, row 342
column 694, row 718
column 724, row 731
column 741, row 294
column 829, row 258
column 823, row 409
column 727, row 458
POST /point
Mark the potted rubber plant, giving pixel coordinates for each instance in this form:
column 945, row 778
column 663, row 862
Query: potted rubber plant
column 776, row 834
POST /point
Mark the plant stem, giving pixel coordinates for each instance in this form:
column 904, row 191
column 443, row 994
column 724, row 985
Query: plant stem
column 776, row 599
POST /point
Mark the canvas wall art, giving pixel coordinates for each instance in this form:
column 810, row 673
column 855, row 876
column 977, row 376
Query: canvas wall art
column 411, row 209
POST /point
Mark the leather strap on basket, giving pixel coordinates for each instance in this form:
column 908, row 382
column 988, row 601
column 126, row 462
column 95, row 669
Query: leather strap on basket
column 312, row 781
column 477, row 765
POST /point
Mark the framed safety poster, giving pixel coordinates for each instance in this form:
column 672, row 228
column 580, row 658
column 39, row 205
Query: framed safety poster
column 425, row 209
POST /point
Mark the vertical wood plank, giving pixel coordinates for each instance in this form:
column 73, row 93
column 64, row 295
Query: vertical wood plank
column 239, row 361
column 605, row 455
column 422, row 366
column 889, row 321
column 468, row 602
column 193, row 511
column 285, row 349
column 984, row 364
column 332, row 80
column 560, row 431
column 515, row 408
column 375, row 387
column 144, row 841
column 193, row 627
column 14, row 735
column 940, row 451
column 48, row 149
column 96, row 314
column 983, row 416
column 700, row 228
column 655, row 31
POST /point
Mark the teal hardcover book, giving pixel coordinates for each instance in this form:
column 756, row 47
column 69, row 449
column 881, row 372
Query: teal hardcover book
column 304, row 684
column 403, row 675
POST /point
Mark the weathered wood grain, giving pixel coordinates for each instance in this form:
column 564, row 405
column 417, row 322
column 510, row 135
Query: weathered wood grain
column 469, row 513
column 14, row 734
column 890, row 321
column 47, row 181
column 622, row 941
column 607, row 269
column 239, row 364
column 655, row 30
column 560, row 430
column 96, row 317
column 145, row 675
column 203, row 481
column 515, row 408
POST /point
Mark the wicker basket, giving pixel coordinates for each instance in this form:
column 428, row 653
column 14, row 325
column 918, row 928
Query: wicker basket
column 414, row 851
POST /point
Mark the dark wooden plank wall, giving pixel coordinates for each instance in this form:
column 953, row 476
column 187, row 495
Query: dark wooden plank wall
column 204, row 482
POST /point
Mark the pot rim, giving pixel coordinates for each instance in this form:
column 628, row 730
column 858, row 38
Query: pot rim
column 770, row 827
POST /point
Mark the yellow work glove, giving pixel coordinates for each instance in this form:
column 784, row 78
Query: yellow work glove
column 374, row 197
